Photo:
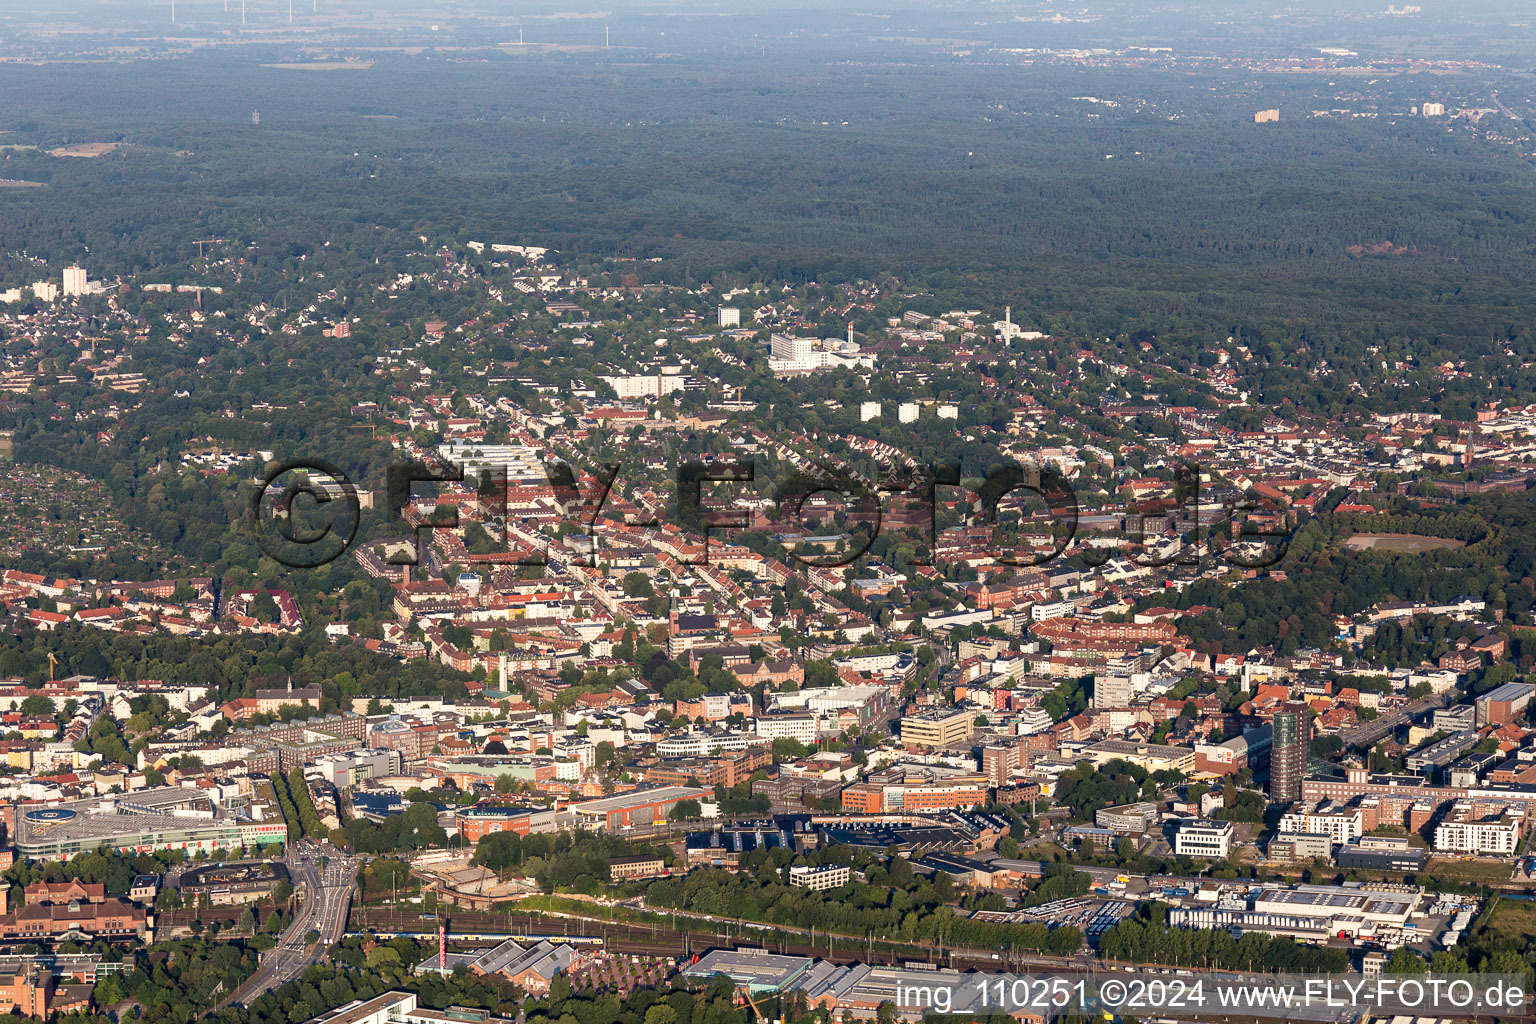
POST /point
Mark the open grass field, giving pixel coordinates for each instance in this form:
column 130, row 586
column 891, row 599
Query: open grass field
column 1474, row 871
column 85, row 150
column 1408, row 543
column 1514, row 917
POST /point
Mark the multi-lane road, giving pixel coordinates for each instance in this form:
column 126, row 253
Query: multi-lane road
column 326, row 877
column 1368, row 733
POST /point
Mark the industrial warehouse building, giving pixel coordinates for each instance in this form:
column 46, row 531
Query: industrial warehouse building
column 531, row 967
column 1504, row 704
column 1381, row 853
column 854, row 989
column 1309, row 912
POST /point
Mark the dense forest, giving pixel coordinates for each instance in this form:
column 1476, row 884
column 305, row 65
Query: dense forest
column 1169, row 207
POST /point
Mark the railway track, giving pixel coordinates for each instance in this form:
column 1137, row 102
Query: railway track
column 658, row 939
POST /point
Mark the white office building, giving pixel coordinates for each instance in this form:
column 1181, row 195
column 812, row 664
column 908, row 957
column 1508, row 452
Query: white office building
column 1112, row 690
column 1314, row 913
column 351, row 768
column 1202, row 837
column 800, row 726
column 533, row 967
column 1061, row 609
column 1033, row 720
column 702, row 744
column 828, row 876
column 728, row 316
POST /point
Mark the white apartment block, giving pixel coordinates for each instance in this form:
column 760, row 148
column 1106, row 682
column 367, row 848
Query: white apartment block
column 1339, row 824
column 1463, row 831
column 74, row 281
column 629, row 387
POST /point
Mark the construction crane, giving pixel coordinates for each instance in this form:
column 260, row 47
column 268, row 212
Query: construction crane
column 761, row 1015
column 53, row 666
column 207, row 241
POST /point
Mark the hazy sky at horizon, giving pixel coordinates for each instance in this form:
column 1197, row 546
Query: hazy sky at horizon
column 1497, row 30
